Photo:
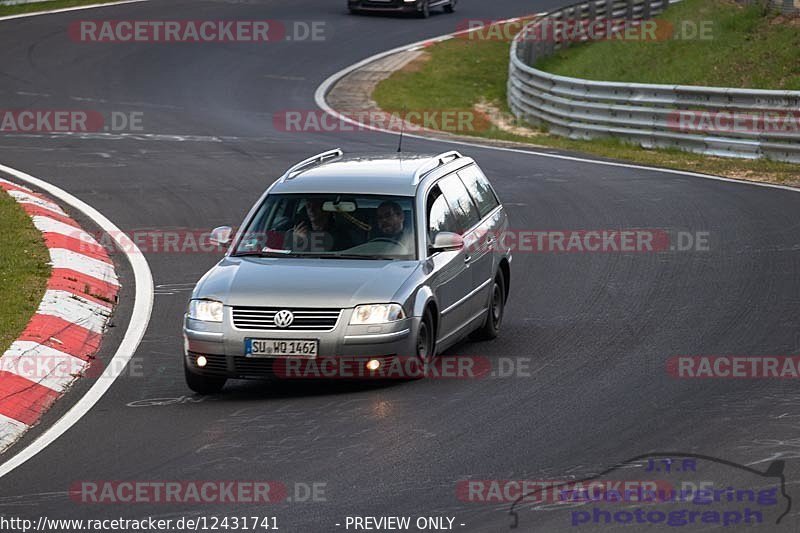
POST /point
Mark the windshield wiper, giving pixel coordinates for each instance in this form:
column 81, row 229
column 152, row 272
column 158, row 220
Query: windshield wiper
column 360, row 256
column 271, row 252
column 267, row 252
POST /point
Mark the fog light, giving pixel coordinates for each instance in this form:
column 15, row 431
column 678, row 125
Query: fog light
column 373, row 364
column 202, row 361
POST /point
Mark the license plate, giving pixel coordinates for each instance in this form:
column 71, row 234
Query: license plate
column 281, row 348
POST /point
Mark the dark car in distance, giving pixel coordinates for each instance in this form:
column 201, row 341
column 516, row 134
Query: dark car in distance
column 421, row 8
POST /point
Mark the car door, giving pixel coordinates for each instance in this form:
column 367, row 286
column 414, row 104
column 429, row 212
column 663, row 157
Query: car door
column 450, row 277
column 476, row 258
column 482, row 242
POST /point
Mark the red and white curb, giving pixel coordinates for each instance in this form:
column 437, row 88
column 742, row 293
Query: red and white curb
column 60, row 340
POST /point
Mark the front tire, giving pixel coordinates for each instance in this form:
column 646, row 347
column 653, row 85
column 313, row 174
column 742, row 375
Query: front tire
column 425, row 346
column 451, row 7
column 203, row 384
column 425, row 12
column 494, row 316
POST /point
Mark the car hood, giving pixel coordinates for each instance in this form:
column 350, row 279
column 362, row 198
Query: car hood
column 286, row 282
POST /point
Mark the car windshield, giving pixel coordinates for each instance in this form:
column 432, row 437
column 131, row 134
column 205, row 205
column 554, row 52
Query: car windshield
column 332, row 226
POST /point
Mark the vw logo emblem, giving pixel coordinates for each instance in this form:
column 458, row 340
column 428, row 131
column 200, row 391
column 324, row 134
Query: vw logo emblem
column 284, row 319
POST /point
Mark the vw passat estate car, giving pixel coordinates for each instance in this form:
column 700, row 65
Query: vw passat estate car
column 370, row 258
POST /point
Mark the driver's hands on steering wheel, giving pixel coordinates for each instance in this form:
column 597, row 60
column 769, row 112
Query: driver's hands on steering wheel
column 397, row 242
column 387, row 239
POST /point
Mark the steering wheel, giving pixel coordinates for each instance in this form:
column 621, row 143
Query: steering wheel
column 386, row 239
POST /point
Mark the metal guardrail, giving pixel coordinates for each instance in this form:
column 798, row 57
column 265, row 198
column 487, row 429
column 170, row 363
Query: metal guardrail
column 19, row 2
column 647, row 114
column 789, row 7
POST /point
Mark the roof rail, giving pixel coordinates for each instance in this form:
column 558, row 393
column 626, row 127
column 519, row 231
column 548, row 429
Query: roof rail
column 439, row 160
column 452, row 155
column 305, row 164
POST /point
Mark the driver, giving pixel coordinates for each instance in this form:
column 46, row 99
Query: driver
column 391, row 222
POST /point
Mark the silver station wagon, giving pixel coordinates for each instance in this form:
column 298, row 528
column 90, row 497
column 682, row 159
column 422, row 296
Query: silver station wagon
column 363, row 258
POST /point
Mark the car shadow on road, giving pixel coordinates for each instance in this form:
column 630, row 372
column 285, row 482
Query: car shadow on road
column 445, row 367
column 245, row 390
column 393, row 15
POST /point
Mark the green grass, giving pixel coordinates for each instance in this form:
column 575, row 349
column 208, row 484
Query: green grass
column 23, row 270
column 460, row 73
column 749, row 47
column 44, row 6
column 463, row 68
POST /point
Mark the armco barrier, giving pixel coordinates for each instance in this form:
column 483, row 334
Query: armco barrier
column 645, row 114
column 18, row 2
column 789, row 7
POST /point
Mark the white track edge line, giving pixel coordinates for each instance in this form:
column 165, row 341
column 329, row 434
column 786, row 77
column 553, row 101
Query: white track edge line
column 322, row 103
column 66, row 9
column 140, row 317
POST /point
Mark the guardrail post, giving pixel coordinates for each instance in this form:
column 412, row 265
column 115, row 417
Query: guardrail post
column 646, row 10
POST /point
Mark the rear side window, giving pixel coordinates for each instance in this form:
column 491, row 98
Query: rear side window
column 479, row 188
column 464, row 209
column 440, row 217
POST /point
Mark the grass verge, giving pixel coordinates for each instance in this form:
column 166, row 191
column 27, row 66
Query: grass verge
column 724, row 44
column 24, row 270
column 464, row 74
column 46, row 6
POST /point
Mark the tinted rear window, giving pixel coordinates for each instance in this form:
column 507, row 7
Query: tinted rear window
column 479, row 188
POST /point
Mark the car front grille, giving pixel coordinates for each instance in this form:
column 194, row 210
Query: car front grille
column 305, row 319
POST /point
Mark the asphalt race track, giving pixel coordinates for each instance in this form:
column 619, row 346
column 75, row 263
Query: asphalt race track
column 595, row 329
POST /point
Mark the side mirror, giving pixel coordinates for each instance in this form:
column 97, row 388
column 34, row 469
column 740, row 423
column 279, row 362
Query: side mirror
column 445, row 241
column 221, row 235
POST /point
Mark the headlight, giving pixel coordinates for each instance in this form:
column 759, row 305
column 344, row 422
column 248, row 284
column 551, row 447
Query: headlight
column 376, row 314
column 205, row 310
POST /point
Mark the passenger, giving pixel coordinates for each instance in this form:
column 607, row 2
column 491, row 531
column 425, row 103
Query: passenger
column 320, row 233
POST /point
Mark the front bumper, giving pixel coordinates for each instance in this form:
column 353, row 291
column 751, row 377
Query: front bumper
column 222, row 344
column 395, row 6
